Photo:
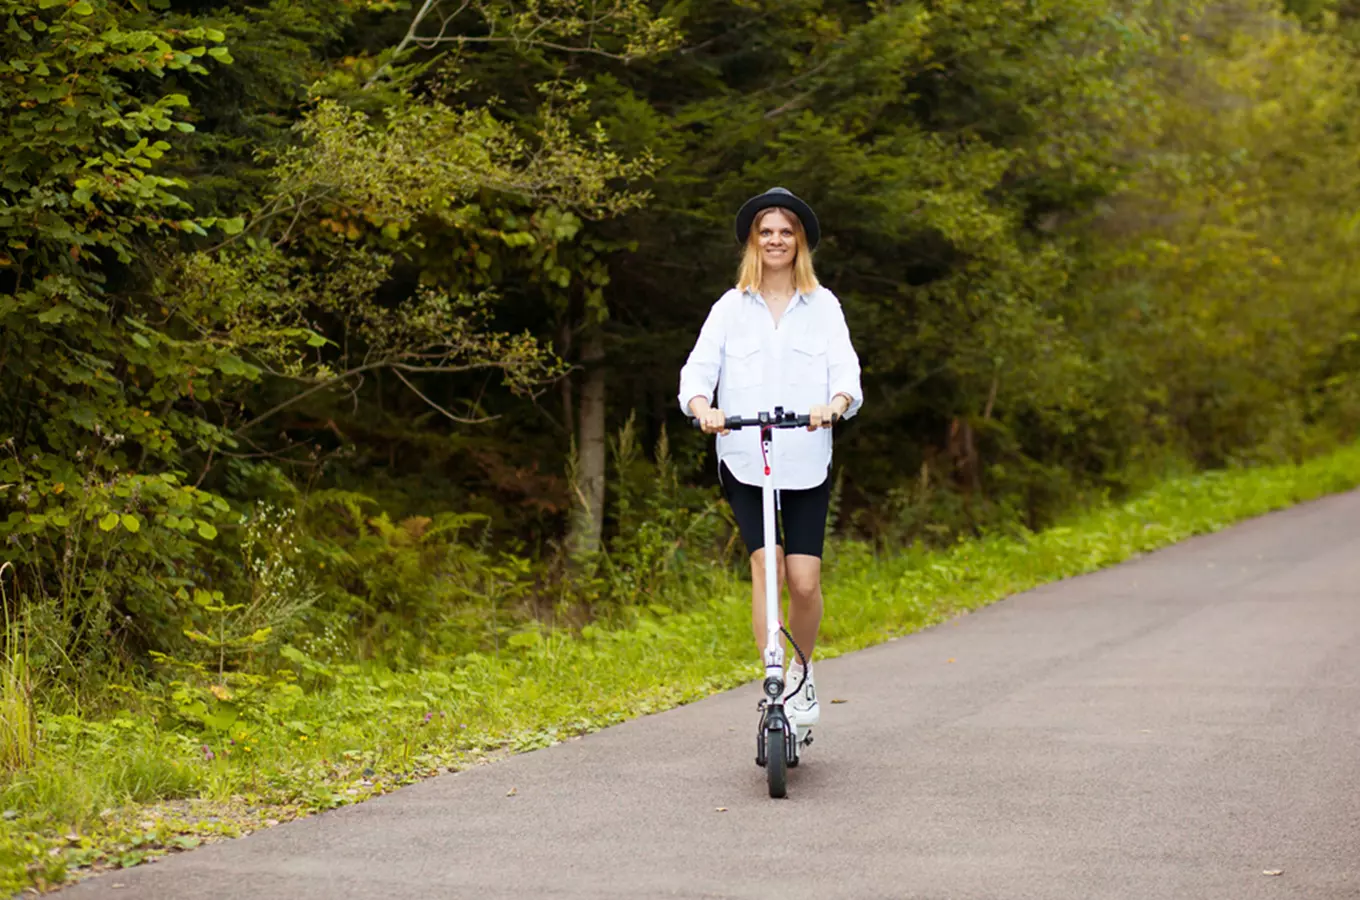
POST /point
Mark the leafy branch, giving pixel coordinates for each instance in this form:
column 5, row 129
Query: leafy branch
column 622, row 30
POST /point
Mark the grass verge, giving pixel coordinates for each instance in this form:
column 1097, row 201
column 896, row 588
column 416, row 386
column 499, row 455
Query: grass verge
column 135, row 785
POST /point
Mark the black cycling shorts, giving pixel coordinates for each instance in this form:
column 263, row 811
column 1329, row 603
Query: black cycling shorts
column 800, row 515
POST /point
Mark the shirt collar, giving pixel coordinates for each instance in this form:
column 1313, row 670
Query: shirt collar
column 753, row 294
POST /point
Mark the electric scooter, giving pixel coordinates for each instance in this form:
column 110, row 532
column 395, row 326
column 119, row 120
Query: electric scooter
column 778, row 742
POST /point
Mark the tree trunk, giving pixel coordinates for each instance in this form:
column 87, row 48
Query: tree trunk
column 568, row 399
column 588, row 513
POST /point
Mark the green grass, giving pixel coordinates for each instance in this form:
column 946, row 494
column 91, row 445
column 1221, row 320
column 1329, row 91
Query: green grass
column 112, row 792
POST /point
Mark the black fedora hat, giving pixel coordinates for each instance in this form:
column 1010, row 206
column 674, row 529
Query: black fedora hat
column 778, row 196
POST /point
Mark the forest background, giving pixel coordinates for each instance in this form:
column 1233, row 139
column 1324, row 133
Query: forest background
column 342, row 336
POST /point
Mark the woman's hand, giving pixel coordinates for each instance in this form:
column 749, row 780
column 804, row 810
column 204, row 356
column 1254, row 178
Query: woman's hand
column 824, row 416
column 713, row 421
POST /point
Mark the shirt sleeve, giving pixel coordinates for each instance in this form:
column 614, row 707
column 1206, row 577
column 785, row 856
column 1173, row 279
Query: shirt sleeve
column 843, row 360
column 699, row 375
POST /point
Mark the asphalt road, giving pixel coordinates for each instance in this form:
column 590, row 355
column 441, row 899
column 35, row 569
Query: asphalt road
column 1174, row 727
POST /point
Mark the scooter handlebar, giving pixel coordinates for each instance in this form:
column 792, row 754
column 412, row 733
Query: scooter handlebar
column 781, row 420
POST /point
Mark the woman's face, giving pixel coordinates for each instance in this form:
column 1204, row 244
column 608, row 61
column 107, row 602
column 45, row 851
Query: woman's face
column 778, row 240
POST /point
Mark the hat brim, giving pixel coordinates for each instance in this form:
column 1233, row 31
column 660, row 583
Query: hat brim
column 747, row 215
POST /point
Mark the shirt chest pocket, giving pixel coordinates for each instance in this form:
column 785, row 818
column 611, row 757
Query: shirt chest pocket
column 808, row 361
column 743, row 363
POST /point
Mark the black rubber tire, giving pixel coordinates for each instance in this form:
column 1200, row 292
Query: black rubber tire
column 775, row 764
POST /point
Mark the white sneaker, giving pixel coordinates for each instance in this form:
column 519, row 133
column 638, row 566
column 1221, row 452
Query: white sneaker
column 802, row 708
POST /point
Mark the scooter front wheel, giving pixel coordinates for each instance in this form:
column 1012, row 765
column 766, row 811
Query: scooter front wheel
column 776, row 762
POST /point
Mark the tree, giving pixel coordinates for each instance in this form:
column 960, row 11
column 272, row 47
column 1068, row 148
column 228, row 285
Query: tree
column 99, row 389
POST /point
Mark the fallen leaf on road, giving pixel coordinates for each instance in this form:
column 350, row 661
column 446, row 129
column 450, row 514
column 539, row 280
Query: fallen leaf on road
column 951, row 659
column 840, row 701
column 720, row 809
column 1273, row 872
column 512, row 792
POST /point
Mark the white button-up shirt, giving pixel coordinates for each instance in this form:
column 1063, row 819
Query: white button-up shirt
column 756, row 366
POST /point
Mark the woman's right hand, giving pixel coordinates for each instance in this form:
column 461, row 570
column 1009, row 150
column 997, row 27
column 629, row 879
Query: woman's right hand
column 713, row 421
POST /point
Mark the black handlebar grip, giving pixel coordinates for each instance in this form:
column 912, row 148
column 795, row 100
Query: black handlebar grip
column 733, row 422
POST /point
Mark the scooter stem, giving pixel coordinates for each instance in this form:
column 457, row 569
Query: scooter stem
column 774, row 650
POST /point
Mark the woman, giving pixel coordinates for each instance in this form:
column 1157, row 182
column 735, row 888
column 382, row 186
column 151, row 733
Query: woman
column 777, row 339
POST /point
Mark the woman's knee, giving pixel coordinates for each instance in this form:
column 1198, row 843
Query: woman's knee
column 805, row 578
column 758, row 565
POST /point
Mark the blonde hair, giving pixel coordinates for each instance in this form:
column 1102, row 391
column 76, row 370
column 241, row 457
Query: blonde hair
column 751, row 270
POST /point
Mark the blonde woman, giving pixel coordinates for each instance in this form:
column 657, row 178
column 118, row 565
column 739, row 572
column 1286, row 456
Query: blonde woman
column 777, row 339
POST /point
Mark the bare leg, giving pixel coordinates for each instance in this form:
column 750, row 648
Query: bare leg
column 804, row 577
column 758, row 624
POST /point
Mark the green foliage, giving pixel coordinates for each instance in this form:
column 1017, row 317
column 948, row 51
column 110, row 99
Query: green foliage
column 137, row 356
column 668, row 534
column 1218, row 303
column 88, row 538
column 99, row 387
column 412, row 590
column 18, row 717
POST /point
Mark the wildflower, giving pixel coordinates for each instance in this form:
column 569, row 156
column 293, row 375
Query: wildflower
column 208, row 754
column 428, row 716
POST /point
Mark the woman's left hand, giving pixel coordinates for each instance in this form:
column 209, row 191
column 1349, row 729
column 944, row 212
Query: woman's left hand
column 822, row 416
